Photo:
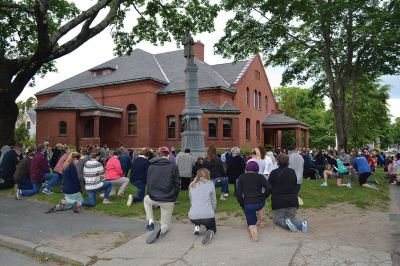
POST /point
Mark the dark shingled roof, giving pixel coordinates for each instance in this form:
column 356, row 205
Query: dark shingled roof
column 224, row 108
column 166, row 68
column 281, row 119
column 69, row 100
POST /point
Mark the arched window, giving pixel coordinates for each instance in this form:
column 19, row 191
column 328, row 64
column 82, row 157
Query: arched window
column 255, row 99
column 247, row 129
column 62, row 128
column 258, row 130
column 247, row 97
column 132, row 119
column 266, row 104
column 259, row 100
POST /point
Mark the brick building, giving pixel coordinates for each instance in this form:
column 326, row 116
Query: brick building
column 137, row 100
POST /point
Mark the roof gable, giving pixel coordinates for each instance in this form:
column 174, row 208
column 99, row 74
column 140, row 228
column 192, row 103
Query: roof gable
column 281, row 119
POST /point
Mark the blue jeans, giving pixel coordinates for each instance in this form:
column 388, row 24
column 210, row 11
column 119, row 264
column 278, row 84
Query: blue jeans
column 250, row 211
column 30, row 192
column 140, row 187
column 25, row 183
column 92, row 194
column 54, row 179
column 223, row 182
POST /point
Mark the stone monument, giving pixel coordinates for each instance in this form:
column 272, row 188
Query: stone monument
column 192, row 137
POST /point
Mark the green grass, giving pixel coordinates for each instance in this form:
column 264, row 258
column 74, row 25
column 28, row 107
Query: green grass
column 313, row 195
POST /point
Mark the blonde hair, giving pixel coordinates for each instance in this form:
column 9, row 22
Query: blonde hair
column 271, row 154
column 257, row 153
column 201, row 173
column 71, row 157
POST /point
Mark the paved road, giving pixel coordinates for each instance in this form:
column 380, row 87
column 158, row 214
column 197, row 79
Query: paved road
column 26, row 220
column 9, row 257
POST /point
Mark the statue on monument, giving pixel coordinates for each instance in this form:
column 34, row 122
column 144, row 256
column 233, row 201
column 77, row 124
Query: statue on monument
column 188, row 43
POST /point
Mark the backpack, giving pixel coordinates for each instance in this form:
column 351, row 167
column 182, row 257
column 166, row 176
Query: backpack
column 341, row 168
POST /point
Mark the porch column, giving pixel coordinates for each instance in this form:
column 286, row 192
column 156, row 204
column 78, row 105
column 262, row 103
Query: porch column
column 298, row 138
column 279, row 138
column 96, row 126
column 306, row 144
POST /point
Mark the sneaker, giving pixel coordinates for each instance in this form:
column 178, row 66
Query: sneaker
column 226, row 195
column 348, row 185
column 291, row 226
column 47, row 192
column 130, row 200
column 301, row 202
column 106, row 201
column 304, row 227
column 51, row 210
column 208, row 237
column 325, row 184
column 150, row 227
column 18, row 195
column 75, row 207
column 196, row 230
column 153, row 236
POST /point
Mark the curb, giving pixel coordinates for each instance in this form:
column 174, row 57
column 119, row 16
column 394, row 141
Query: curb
column 40, row 250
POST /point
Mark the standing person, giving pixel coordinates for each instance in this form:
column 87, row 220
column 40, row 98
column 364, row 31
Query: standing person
column 185, row 162
column 139, row 175
column 162, row 188
column 22, row 174
column 285, row 197
column 360, row 164
column 115, row 175
column 235, row 166
column 93, row 172
column 125, row 161
column 9, row 165
column 71, row 186
column 40, row 173
column 252, row 191
column 296, row 162
column 202, row 204
column 217, row 172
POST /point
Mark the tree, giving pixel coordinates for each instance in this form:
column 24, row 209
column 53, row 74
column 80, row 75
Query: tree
column 26, row 105
column 31, row 33
column 371, row 115
column 337, row 44
column 310, row 109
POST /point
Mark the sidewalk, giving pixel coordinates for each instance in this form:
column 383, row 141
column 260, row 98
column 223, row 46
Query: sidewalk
column 395, row 222
column 87, row 238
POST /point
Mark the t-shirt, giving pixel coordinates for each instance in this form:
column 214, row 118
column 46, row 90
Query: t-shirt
column 361, row 165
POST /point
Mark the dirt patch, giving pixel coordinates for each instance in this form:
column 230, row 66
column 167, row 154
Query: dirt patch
column 337, row 224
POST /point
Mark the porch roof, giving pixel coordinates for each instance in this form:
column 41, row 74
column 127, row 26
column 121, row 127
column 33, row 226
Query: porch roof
column 282, row 120
column 70, row 100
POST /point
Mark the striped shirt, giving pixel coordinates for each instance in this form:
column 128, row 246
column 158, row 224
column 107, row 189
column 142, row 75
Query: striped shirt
column 93, row 173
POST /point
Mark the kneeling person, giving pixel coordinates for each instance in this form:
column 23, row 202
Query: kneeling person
column 162, row 187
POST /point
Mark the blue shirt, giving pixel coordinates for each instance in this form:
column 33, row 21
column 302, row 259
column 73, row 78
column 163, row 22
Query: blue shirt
column 361, row 165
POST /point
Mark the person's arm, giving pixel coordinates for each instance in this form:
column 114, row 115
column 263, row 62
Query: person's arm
column 118, row 168
column 267, row 186
column 239, row 193
column 176, row 179
column 213, row 197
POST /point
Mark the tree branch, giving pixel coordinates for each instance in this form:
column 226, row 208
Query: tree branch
column 86, row 33
column 92, row 12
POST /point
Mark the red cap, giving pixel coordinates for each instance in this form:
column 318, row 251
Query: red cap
column 163, row 149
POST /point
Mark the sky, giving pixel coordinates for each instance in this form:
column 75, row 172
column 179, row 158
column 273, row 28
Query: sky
column 100, row 49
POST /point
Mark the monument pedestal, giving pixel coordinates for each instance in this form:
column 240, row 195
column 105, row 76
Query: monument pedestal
column 194, row 140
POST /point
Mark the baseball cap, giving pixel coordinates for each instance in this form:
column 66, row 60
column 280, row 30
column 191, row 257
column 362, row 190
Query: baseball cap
column 163, row 149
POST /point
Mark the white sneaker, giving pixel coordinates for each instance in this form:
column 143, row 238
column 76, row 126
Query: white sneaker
column 196, row 230
column 348, row 185
column 226, row 195
column 130, row 199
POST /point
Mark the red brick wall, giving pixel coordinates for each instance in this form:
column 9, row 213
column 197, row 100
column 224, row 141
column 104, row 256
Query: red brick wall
column 47, row 127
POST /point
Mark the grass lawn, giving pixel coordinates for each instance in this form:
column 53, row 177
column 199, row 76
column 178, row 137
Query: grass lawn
column 313, row 195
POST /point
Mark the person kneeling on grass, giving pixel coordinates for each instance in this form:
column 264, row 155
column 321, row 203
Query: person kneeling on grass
column 360, row 164
column 202, row 204
column 115, row 175
column 284, row 197
column 70, row 186
column 252, row 190
column 93, row 173
column 162, row 186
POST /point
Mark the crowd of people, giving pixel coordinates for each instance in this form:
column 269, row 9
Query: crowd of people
column 160, row 175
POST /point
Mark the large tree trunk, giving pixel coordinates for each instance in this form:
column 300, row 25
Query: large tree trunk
column 8, row 117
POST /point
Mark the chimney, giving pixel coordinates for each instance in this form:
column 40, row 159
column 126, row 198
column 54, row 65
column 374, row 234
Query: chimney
column 198, row 50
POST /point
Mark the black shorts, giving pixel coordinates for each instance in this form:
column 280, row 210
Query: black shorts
column 337, row 175
column 363, row 178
